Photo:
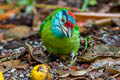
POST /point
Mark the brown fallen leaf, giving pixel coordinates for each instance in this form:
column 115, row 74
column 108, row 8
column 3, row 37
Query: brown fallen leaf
column 105, row 63
column 18, row 32
column 23, row 65
column 96, row 16
column 112, row 71
column 79, row 73
column 93, row 74
column 101, row 22
column 9, row 14
column 7, row 26
column 117, row 21
column 37, row 55
column 5, row 66
column 100, row 51
column 79, row 78
column 63, row 74
column 99, row 79
column 115, row 76
column 1, row 37
column 6, row 6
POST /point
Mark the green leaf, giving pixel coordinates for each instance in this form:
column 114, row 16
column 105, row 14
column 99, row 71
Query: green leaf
column 23, row 2
column 9, row 1
column 85, row 5
column 93, row 2
column 31, row 1
column 1, row 11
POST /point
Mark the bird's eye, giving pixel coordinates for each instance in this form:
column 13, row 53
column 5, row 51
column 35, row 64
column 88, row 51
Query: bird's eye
column 63, row 19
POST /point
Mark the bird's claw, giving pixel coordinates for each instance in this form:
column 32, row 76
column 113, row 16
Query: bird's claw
column 73, row 59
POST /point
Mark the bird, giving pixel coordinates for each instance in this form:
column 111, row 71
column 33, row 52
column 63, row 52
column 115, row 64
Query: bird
column 60, row 33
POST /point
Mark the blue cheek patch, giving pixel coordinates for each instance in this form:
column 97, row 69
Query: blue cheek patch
column 56, row 24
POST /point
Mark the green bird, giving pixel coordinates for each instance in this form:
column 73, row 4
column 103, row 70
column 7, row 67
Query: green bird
column 60, row 33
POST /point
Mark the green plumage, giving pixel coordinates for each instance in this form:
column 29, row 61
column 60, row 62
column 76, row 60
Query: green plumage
column 57, row 45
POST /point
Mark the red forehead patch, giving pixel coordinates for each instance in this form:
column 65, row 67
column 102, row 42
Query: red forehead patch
column 70, row 13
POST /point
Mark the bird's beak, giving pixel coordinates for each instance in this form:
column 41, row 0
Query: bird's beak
column 66, row 31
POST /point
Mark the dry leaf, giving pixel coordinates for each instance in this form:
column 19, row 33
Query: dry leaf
column 23, row 65
column 6, row 6
column 9, row 14
column 18, row 32
column 5, row 66
column 100, row 51
column 79, row 78
column 7, row 26
column 96, row 16
column 36, row 54
column 1, row 37
column 62, row 73
column 105, row 63
column 79, row 73
column 112, row 71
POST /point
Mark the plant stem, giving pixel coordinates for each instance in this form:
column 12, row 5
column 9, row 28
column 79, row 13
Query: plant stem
column 85, row 4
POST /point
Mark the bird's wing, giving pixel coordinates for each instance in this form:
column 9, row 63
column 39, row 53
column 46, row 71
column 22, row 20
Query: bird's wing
column 44, row 22
column 42, row 26
column 77, row 29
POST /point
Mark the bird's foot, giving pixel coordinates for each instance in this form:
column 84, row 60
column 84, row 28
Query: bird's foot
column 73, row 59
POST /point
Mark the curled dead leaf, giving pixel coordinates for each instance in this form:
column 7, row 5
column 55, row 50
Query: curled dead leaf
column 112, row 71
column 79, row 78
column 79, row 73
column 37, row 55
column 62, row 73
column 5, row 66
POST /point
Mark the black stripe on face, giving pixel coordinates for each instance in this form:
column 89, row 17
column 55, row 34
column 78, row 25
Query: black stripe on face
column 64, row 13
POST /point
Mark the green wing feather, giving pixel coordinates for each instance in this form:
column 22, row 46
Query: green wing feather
column 76, row 28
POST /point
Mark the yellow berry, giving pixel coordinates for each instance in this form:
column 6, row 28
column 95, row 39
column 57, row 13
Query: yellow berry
column 1, row 76
column 40, row 72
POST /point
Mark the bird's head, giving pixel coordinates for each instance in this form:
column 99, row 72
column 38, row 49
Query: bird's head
column 63, row 21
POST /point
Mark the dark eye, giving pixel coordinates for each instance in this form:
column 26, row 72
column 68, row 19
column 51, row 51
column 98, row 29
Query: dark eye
column 63, row 19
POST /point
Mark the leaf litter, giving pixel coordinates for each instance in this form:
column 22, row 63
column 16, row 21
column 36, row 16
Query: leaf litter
column 21, row 47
